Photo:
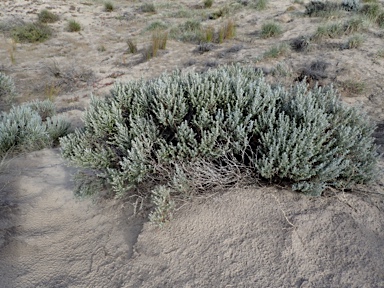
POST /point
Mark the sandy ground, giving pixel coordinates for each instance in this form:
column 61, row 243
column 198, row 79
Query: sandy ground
column 255, row 237
column 259, row 237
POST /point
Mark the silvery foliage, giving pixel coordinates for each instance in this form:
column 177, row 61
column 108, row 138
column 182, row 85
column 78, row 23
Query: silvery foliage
column 306, row 137
column 7, row 88
column 351, row 5
column 30, row 126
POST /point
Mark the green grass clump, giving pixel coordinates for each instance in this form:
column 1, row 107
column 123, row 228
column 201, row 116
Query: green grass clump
column 260, row 5
column 189, row 31
column 148, row 8
column 31, row 32
column 276, row 51
column 73, row 26
column 271, row 29
column 227, row 31
column 208, row 3
column 29, row 127
column 46, row 16
column 109, row 7
column 186, row 132
column 157, row 25
column 333, row 30
column 354, row 42
column 371, row 11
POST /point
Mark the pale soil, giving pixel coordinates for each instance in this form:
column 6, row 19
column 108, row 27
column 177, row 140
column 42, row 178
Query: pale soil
column 256, row 237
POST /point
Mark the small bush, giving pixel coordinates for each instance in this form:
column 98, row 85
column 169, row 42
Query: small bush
column 333, row 30
column 300, row 44
column 271, row 29
column 351, row 5
column 157, row 25
column 7, row 89
column 46, row 16
column 157, row 133
column 354, row 42
column 31, row 32
column 73, row 26
column 260, row 5
column 109, row 7
column 189, row 31
column 371, row 11
column 29, row 127
column 321, row 8
column 208, row 3
column 276, row 51
column 148, row 8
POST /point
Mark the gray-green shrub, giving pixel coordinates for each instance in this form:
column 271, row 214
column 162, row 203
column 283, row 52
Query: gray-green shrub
column 306, row 137
column 30, row 126
column 7, row 89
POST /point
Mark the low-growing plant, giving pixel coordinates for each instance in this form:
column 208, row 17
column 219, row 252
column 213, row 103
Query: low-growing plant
column 353, row 87
column 371, row 11
column 46, row 16
column 31, row 32
column 73, row 26
column 132, row 47
column 332, row 30
column 157, row 25
column 270, row 29
column 354, row 42
column 208, row 3
column 260, row 5
column 109, row 7
column 208, row 34
column 31, row 126
column 321, row 8
column 189, row 31
column 227, row 31
column 276, row 51
column 148, row 8
column 380, row 20
column 351, row 5
column 157, row 133
column 159, row 39
column 7, row 89
column 354, row 24
column 300, row 44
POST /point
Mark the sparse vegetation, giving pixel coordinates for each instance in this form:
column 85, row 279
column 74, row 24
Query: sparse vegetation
column 354, row 42
column 208, row 3
column 321, row 8
column 270, row 29
column 132, row 47
column 300, row 44
column 7, row 89
column 29, row 127
column 31, row 32
column 276, row 51
column 189, row 31
column 109, row 7
column 227, row 31
column 353, row 87
column 148, row 8
column 46, row 16
column 73, row 26
column 167, row 132
column 157, row 25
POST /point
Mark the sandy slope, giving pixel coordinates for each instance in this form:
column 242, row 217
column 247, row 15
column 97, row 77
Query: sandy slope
column 261, row 237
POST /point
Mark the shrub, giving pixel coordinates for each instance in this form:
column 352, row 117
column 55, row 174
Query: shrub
column 30, row 126
column 270, row 30
column 46, row 16
column 157, row 25
column 276, row 51
column 371, row 11
column 157, row 132
column 148, row 8
column 351, row 5
column 73, row 26
column 321, row 9
column 31, row 32
column 208, row 3
column 108, row 7
column 189, row 31
column 300, row 43
column 7, row 89
column 354, row 42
